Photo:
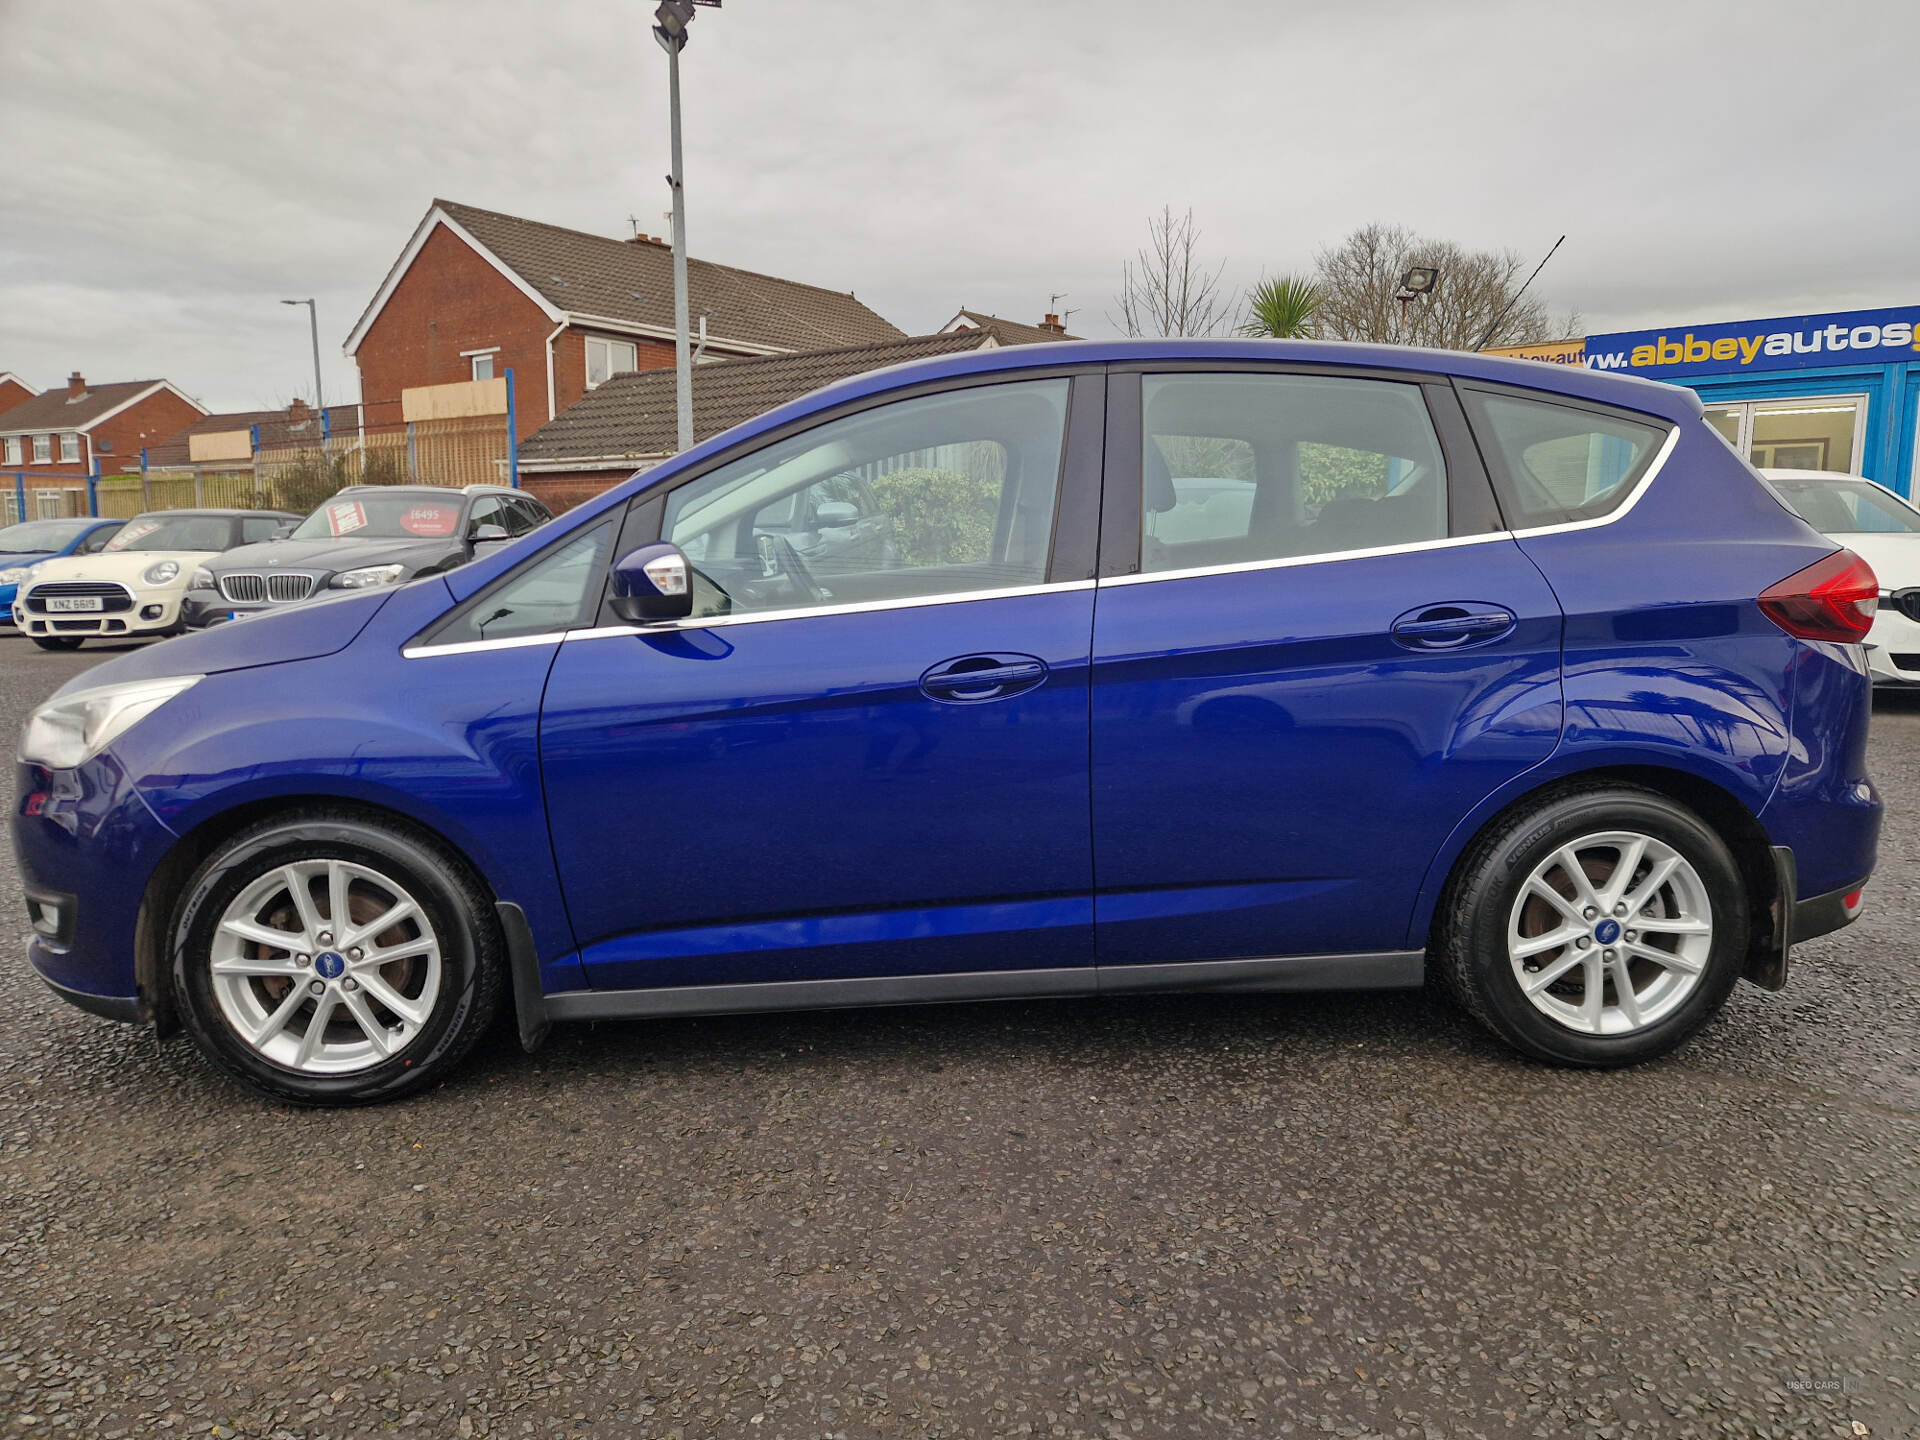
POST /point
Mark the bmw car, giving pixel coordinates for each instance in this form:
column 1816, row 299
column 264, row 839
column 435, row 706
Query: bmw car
column 134, row 585
column 23, row 547
column 1504, row 678
column 363, row 538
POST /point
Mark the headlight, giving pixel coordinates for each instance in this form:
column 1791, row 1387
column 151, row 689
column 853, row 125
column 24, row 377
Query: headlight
column 71, row 729
column 162, row 573
column 366, row 576
column 15, row 575
column 202, row 580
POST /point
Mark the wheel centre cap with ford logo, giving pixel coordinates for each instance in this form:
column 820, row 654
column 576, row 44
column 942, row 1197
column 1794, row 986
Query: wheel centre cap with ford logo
column 329, row 965
column 1606, row 932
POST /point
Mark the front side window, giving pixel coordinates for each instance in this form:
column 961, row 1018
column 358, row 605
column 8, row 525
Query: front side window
column 69, row 447
column 1244, row 468
column 550, row 595
column 1555, row 463
column 935, row 495
column 607, row 358
column 252, row 532
column 42, row 449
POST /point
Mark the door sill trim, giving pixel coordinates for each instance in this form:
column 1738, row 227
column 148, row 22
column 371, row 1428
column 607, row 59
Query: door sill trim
column 1397, row 969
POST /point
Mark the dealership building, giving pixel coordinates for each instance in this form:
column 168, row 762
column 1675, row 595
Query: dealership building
column 1804, row 392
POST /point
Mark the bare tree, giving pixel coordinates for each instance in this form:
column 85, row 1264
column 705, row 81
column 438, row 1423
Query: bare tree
column 1360, row 278
column 1167, row 289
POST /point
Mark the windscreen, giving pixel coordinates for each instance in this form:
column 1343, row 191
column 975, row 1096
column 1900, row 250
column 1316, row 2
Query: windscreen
column 1847, row 507
column 40, row 535
column 383, row 517
column 174, row 532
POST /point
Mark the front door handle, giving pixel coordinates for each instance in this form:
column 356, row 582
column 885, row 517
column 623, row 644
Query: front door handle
column 972, row 678
column 1453, row 627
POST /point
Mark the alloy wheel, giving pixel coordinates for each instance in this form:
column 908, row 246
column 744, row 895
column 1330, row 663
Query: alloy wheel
column 325, row 967
column 1610, row 933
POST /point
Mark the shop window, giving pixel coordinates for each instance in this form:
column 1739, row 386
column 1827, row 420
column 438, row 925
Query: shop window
column 1820, row 432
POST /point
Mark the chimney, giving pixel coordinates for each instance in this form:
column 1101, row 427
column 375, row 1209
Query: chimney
column 76, row 386
column 649, row 240
column 1052, row 322
column 297, row 411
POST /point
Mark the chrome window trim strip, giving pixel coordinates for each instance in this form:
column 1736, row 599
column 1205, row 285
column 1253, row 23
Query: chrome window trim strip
column 474, row 647
column 1287, row 562
column 755, row 617
column 1633, row 499
column 758, row 617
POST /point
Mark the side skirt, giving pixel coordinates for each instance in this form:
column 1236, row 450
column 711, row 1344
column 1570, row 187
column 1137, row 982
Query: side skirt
column 1399, row 969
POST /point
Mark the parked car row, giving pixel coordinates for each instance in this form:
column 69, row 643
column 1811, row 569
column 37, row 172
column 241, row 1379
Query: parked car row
column 69, row 581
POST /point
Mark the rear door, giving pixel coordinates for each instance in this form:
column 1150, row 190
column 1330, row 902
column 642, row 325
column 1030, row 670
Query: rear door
column 1315, row 650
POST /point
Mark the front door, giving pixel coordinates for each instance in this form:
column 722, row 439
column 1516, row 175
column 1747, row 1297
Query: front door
column 1318, row 655
column 866, row 754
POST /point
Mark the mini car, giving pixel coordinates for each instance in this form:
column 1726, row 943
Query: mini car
column 24, row 546
column 1507, row 677
column 1884, row 530
column 364, row 537
column 133, row 586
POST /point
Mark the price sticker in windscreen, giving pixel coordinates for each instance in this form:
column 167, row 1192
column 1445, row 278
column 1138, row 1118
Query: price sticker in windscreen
column 346, row 516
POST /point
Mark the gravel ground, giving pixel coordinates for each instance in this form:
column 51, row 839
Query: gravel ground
column 1344, row 1215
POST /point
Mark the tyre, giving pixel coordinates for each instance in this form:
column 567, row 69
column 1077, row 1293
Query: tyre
column 1601, row 927
column 57, row 642
column 328, row 958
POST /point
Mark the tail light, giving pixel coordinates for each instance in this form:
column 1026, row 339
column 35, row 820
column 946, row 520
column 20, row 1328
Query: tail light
column 1832, row 599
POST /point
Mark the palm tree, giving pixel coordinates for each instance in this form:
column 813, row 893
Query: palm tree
column 1284, row 308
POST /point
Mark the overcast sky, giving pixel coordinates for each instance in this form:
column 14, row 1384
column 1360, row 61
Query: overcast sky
column 175, row 167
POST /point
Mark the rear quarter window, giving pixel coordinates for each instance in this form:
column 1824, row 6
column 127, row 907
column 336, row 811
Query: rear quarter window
column 1553, row 463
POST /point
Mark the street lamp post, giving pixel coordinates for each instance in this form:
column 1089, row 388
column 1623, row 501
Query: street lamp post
column 673, row 17
column 313, row 319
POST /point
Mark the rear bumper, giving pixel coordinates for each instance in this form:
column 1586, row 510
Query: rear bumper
column 1818, row 915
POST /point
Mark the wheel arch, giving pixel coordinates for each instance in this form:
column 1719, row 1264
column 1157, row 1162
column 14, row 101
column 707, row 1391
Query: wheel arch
column 1724, row 812
column 166, row 886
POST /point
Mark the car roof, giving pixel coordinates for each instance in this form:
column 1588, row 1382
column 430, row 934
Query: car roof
column 220, row 514
column 431, row 490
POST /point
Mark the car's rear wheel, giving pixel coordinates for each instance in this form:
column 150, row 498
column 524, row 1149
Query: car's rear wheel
column 1601, row 927
column 57, row 642
column 332, row 959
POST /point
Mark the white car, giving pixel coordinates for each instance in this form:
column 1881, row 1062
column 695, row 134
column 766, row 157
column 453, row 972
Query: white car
column 134, row 586
column 1883, row 530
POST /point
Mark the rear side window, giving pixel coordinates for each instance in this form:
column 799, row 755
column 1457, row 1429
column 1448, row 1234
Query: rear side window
column 1242, row 468
column 1556, row 463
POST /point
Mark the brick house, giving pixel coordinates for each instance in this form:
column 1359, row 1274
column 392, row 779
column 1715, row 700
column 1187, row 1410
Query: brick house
column 1008, row 332
column 297, row 425
column 13, row 390
column 630, row 423
column 475, row 293
column 70, row 431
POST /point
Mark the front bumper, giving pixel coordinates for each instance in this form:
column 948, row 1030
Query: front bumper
column 87, row 846
column 201, row 608
column 1893, row 648
column 153, row 612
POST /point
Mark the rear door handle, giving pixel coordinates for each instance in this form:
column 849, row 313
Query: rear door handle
column 1453, row 627
column 983, row 677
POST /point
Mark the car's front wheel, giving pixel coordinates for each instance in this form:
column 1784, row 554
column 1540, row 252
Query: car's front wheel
column 330, row 958
column 1600, row 928
column 57, row 642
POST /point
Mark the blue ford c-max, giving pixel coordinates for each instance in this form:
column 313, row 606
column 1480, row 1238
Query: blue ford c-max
column 1173, row 665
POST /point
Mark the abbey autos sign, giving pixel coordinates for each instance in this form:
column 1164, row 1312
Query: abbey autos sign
column 1793, row 342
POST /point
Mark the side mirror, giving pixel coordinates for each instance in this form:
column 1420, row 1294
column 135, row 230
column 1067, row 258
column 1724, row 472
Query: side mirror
column 654, row 582
column 285, row 528
column 836, row 513
column 489, row 534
